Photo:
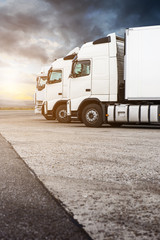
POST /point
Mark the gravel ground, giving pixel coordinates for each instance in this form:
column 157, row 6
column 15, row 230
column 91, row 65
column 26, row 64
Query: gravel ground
column 108, row 178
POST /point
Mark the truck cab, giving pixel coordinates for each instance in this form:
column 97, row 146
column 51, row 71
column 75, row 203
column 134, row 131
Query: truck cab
column 57, row 88
column 39, row 94
column 96, row 78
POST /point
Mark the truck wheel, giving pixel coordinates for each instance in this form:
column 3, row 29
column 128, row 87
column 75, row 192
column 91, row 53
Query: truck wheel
column 92, row 115
column 61, row 114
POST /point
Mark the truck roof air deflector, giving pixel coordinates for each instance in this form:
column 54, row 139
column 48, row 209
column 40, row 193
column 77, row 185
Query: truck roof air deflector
column 70, row 57
column 102, row 40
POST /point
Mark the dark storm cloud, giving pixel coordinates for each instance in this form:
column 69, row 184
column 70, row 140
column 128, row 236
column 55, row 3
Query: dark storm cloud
column 15, row 44
column 25, row 22
column 74, row 22
column 126, row 13
column 146, row 10
column 138, row 13
column 69, row 23
column 17, row 30
column 33, row 52
column 87, row 20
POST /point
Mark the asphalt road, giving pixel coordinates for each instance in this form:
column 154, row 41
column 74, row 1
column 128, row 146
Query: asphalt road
column 108, row 178
column 27, row 209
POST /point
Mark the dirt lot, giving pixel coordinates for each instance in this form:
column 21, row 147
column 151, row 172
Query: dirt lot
column 108, row 178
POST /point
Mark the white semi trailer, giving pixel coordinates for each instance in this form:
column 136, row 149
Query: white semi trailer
column 39, row 94
column 57, row 88
column 116, row 80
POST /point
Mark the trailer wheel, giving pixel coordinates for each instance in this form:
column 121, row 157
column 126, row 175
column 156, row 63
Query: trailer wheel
column 61, row 114
column 92, row 115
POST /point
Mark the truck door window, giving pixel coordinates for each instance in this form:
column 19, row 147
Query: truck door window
column 55, row 76
column 81, row 68
column 41, row 81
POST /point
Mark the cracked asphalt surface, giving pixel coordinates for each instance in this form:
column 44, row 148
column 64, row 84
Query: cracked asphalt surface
column 27, row 209
column 107, row 178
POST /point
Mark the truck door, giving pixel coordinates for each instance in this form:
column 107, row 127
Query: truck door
column 80, row 83
column 54, row 85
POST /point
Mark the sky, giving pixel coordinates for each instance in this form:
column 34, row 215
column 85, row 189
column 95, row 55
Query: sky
column 35, row 32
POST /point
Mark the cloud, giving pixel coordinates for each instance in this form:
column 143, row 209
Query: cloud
column 137, row 13
column 19, row 27
column 37, row 20
column 67, row 24
column 4, row 64
column 88, row 19
column 73, row 22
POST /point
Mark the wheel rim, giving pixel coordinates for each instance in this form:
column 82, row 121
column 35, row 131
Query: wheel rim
column 92, row 116
column 62, row 114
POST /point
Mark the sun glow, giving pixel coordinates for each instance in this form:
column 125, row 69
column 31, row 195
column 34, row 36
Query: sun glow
column 15, row 86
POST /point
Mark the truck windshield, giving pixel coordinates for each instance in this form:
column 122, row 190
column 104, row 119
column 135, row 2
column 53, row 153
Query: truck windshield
column 81, row 68
column 41, row 81
column 55, row 76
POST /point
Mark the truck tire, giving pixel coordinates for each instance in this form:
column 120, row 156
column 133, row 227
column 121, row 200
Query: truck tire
column 92, row 115
column 61, row 114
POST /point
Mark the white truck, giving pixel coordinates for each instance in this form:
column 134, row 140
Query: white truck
column 57, row 88
column 39, row 94
column 117, row 80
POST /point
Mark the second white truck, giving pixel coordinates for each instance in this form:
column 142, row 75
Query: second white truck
column 57, row 88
